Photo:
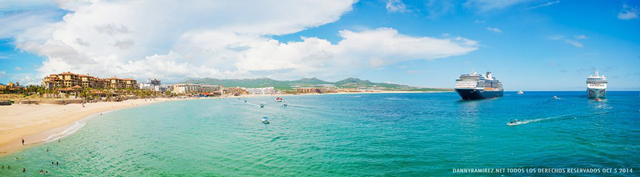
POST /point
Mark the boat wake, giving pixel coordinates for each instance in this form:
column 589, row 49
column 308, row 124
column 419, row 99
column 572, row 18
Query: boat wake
column 522, row 122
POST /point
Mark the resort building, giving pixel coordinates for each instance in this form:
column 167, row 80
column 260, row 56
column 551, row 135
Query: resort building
column 308, row 90
column 316, row 90
column 153, row 85
column 236, row 91
column 197, row 88
column 261, row 91
column 68, row 80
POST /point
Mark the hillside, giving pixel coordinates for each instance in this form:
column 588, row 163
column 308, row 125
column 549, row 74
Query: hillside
column 306, row 82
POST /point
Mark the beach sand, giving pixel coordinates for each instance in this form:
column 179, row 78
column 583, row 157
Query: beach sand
column 36, row 123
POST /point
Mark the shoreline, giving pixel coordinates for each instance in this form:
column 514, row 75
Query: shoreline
column 38, row 124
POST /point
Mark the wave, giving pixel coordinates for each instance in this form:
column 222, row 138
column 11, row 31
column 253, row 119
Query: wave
column 396, row 99
column 70, row 130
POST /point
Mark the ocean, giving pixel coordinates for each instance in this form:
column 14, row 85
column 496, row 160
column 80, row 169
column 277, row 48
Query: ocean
column 413, row 134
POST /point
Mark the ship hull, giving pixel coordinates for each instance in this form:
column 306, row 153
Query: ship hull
column 477, row 94
column 596, row 93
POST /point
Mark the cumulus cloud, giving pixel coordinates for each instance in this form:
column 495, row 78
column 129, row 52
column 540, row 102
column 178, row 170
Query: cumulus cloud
column 628, row 12
column 494, row 29
column 207, row 39
column 396, row 6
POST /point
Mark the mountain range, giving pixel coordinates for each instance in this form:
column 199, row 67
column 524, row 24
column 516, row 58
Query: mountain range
column 307, row 82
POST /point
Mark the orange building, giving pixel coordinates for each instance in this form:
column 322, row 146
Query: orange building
column 68, row 79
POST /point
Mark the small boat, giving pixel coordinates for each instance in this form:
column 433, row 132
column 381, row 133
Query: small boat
column 279, row 99
column 261, row 105
column 520, row 92
column 555, row 97
column 265, row 120
column 597, row 99
column 515, row 122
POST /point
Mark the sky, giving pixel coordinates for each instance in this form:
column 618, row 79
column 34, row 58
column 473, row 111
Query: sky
column 526, row 44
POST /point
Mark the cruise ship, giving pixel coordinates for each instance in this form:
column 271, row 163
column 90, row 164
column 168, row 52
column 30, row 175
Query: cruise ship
column 596, row 85
column 475, row 86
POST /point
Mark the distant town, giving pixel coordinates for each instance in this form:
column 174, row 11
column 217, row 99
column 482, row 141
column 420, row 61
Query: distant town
column 68, row 88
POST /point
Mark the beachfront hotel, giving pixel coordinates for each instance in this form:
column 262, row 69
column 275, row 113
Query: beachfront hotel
column 68, row 80
column 197, row 88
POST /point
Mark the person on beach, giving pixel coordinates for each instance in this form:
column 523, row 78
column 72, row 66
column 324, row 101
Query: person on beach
column 52, row 163
column 23, row 141
column 41, row 171
column 47, row 150
column 56, row 163
column 24, row 170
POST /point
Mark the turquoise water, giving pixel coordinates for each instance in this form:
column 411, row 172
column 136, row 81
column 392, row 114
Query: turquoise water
column 347, row 135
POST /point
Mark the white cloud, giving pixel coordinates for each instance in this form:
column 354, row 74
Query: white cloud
column 628, row 12
column 544, row 5
column 208, row 39
column 396, row 6
column 16, row 22
column 357, row 50
column 573, row 42
column 437, row 8
column 18, row 68
column 494, row 29
column 488, row 5
column 580, row 37
column 479, row 21
column 555, row 37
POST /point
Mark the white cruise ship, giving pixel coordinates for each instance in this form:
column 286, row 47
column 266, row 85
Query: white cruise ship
column 596, row 85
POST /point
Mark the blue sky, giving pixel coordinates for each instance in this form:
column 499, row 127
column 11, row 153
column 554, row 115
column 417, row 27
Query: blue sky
column 527, row 44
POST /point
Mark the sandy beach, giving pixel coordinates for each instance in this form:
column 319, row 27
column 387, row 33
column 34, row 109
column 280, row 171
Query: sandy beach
column 36, row 123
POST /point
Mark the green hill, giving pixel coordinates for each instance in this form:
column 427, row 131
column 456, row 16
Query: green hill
column 306, row 82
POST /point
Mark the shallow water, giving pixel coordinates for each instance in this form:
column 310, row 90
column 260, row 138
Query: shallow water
column 347, row 135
